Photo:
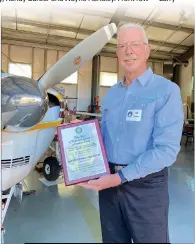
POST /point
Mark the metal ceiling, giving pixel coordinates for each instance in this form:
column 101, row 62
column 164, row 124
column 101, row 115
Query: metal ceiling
column 170, row 30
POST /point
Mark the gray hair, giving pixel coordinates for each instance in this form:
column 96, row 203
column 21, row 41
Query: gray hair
column 133, row 26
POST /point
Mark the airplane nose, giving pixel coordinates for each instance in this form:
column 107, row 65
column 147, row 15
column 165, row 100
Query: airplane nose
column 22, row 103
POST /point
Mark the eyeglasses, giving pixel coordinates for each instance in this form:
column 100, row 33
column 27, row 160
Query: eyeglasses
column 135, row 46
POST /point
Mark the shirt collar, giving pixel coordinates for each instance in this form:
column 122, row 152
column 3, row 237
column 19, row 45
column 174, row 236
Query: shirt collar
column 143, row 78
column 122, row 82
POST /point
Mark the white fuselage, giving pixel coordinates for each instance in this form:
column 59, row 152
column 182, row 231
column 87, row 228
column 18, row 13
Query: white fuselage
column 21, row 151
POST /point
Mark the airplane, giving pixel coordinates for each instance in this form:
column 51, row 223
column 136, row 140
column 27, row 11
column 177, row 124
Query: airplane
column 31, row 110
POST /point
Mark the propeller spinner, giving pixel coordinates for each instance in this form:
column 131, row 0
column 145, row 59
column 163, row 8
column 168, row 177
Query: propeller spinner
column 22, row 104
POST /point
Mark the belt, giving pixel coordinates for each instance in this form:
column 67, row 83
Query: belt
column 116, row 167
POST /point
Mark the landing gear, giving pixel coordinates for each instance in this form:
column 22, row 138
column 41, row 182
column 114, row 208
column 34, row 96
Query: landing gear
column 6, row 198
column 17, row 192
column 27, row 192
column 51, row 168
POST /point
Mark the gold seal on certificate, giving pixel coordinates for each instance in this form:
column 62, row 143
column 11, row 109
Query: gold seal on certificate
column 82, row 151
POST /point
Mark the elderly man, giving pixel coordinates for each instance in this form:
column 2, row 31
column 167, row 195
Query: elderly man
column 141, row 128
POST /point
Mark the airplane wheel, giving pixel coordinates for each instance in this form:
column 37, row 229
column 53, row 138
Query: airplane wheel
column 51, row 169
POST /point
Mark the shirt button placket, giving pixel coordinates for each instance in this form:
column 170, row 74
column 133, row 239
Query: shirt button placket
column 120, row 125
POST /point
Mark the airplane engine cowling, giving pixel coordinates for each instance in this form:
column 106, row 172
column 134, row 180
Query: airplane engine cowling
column 22, row 103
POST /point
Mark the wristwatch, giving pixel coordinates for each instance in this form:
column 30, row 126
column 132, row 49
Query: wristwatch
column 123, row 179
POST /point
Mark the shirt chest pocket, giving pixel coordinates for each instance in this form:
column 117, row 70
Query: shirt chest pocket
column 140, row 115
column 110, row 114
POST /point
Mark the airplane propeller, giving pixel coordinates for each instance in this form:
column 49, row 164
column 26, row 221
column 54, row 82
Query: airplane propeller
column 25, row 102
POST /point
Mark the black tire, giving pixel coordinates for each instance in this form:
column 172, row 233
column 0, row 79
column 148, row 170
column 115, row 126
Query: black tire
column 51, row 168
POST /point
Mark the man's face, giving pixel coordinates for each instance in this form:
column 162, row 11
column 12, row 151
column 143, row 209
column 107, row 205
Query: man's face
column 132, row 52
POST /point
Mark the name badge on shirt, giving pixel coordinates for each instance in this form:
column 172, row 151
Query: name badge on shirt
column 134, row 115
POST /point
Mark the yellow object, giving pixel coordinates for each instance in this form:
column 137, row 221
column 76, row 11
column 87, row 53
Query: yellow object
column 59, row 96
column 42, row 126
column 46, row 125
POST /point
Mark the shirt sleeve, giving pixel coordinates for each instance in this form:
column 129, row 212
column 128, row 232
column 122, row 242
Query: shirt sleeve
column 166, row 137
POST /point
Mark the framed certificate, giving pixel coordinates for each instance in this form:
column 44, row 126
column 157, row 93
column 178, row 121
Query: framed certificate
column 82, row 151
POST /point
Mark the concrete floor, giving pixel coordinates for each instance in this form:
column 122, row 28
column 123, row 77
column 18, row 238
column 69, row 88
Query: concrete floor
column 70, row 214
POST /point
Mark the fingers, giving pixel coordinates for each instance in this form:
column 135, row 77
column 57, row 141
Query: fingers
column 90, row 182
column 89, row 186
column 94, row 182
column 82, row 184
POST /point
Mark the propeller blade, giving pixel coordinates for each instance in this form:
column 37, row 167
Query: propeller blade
column 76, row 57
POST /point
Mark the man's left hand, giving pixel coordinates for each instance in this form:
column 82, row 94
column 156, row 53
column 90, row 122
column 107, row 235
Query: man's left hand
column 103, row 182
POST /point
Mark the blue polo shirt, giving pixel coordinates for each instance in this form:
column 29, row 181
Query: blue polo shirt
column 142, row 124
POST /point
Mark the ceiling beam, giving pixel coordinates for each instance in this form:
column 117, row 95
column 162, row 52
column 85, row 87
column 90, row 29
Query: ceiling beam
column 45, row 25
column 88, row 32
column 35, row 45
column 168, row 44
column 108, row 15
column 165, row 53
column 132, row 19
column 75, row 30
column 157, row 24
column 59, row 46
column 187, row 55
column 41, row 38
column 89, row 12
column 67, row 49
column 9, row 34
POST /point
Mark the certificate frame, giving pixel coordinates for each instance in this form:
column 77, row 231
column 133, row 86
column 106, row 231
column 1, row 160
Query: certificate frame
column 60, row 128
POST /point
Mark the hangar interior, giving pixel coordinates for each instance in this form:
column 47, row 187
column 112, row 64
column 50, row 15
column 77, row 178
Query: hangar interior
column 33, row 40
